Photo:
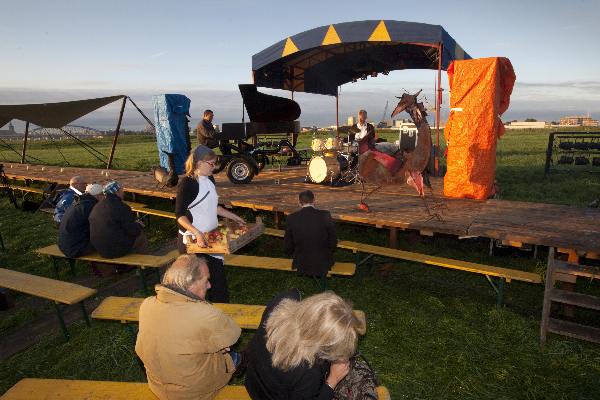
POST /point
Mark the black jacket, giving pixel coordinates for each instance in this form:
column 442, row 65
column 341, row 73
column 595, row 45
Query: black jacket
column 113, row 229
column 74, row 230
column 264, row 382
column 310, row 238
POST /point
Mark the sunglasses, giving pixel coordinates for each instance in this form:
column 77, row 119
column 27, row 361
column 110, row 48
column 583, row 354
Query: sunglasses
column 211, row 163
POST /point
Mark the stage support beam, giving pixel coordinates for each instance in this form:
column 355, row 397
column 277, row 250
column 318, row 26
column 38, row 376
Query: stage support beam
column 114, row 145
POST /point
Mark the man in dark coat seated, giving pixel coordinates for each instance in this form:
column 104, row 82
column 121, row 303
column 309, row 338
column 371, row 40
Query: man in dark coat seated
column 74, row 230
column 310, row 238
column 114, row 231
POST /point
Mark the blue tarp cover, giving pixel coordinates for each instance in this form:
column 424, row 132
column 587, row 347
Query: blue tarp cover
column 170, row 112
column 321, row 59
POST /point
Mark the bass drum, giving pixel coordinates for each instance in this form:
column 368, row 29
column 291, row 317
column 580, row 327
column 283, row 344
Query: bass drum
column 326, row 168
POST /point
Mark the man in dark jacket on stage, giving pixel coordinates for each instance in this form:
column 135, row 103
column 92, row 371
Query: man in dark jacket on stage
column 310, row 238
column 206, row 131
column 114, row 231
column 74, row 230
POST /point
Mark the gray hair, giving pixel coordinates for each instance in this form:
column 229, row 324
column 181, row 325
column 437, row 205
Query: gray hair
column 184, row 271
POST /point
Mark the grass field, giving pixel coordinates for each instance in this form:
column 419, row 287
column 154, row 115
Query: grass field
column 432, row 333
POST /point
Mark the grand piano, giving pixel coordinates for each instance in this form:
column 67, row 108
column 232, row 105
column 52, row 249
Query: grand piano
column 269, row 115
column 273, row 117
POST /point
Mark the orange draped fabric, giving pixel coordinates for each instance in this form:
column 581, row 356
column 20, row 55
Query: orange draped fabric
column 479, row 93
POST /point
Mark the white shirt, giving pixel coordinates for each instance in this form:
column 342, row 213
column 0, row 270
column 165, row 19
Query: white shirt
column 363, row 131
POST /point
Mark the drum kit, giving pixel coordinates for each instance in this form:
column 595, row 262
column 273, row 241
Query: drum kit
column 334, row 161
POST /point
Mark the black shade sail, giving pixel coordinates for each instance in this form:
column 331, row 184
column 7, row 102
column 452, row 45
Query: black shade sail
column 53, row 115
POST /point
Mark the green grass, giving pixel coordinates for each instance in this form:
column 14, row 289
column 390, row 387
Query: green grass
column 432, row 333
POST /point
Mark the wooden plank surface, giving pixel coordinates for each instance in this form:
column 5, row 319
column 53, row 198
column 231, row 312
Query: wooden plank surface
column 391, row 206
column 507, row 273
column 282, row 264
column 51, row 289
column 126, row 309
column 63, row 389
column 137, row 260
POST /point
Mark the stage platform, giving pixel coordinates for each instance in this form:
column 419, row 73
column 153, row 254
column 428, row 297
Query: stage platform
column 392, row 207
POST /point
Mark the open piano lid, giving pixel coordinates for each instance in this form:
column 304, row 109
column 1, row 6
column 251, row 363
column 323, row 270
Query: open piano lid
column 267, row 108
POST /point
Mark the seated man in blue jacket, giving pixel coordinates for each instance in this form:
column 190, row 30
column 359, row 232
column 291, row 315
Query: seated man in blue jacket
column 74, row 230
column 76, row 187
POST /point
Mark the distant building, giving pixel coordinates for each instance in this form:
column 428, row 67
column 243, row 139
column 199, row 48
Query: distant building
column 9, row 133
column 526, row 125
column 579, row 120
column 351, row 120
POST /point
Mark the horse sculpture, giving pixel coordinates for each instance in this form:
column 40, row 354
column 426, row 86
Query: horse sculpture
column 386, row 163
column 381, row 167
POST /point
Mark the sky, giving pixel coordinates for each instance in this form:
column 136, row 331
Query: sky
column 66, row 50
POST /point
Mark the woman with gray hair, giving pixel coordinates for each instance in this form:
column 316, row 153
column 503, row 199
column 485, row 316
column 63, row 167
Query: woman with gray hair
column 302, row 348
column 184, row 340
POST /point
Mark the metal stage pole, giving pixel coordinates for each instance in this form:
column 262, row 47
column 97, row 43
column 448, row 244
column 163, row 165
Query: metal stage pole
column 25, row 142
column 438, row 102
column 337, row 112
column 114, row 145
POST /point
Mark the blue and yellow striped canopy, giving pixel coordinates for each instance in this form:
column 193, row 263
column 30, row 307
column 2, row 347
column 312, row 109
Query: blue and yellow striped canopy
column 322, row 59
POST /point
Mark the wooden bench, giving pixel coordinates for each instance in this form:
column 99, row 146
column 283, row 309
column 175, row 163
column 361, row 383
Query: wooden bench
column 503, row 274
column 282, row 264
column 27, row 189
column 59, row 292
column 126, row 309
column 63, row 389
column 135, row 207
column 140, row 261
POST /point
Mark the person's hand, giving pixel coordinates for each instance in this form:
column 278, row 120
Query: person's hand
column 337, row 371
column 239, row 220
column 200, row 239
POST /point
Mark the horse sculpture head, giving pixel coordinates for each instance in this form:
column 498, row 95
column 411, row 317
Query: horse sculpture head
column 405, row 102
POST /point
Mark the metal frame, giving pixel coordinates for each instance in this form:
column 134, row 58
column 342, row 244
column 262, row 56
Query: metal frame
column 568, row 135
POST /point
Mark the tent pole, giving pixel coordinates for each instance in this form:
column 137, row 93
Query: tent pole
column 337, row 112
column 114, row 145
column 438, row 101
column 25, row 142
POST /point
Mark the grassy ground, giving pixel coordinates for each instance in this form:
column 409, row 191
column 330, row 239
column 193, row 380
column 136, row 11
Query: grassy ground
column 432, row 333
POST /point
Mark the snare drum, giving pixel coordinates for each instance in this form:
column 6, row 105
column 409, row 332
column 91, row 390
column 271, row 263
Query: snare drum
column 333, row 143
column 326, row 168
column 317, row 144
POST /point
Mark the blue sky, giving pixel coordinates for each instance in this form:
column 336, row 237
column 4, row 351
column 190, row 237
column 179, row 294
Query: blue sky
column 64, row 50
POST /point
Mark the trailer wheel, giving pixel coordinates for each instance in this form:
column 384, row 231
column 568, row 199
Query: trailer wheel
column 240, row 171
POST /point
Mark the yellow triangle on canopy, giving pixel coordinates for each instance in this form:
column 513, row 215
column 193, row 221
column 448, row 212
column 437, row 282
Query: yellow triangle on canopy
column 290, row 48
column 380, row 34
column 331, row 37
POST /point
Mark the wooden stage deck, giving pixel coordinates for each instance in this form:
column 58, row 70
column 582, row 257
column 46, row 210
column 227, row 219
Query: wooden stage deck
column 391, row 207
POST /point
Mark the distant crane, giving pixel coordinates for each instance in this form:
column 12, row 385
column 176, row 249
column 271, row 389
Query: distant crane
column 382, row 123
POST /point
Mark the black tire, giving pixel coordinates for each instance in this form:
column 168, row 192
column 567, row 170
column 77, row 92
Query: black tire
column 240, row 171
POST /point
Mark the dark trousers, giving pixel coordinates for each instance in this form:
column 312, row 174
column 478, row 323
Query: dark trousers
column 219, row 292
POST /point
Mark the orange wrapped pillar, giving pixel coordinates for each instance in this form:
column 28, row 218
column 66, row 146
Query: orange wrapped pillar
column 479, row 93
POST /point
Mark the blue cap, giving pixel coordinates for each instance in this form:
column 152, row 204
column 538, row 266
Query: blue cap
column 111, row 187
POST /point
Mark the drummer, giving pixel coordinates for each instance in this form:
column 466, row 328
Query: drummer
column 196, row 209
column 365, row 133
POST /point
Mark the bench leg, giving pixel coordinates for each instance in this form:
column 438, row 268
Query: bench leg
column 499, row 289
column 55, row 265
column 142, row 273
column 72, row 265
column 2, row 243
column 61, row 321
column 84, row 312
